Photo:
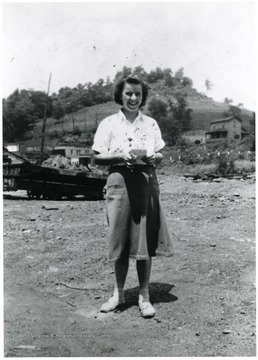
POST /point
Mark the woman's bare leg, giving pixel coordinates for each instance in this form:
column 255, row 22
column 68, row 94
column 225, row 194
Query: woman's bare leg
column 144, row 270
column 121, row 268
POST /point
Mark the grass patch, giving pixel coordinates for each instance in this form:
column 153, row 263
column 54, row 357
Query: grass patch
column 200, row 169
column 244, row 166
column 238, row 166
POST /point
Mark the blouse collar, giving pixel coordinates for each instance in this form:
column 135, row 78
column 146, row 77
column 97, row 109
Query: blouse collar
column 121, row 116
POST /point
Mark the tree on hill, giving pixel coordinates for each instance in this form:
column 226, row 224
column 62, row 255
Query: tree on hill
column 100, row 93
column 170, row 128
column 155, row 75
column 181, row 112
column 252, row 123
column 179, row 75
column 208, row 85
column 126, row 71
column 70, row 100
column 228, row 101
column 140, row 72
column 22, row 108
column 173, row 117
column 186, row 81
column 158, row 108
column 169, row 81
column 234, row 110
column 58, row 110
column 20, row 111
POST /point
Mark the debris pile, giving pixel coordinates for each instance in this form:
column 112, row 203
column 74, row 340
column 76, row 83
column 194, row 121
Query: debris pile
column 217, row 178
column 62, row 162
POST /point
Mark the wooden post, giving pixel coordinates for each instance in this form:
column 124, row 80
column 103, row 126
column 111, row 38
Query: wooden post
column 96, row 119
column 44, row 123
column 62, row 123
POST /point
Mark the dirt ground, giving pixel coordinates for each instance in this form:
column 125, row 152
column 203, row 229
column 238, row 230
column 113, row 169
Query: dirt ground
column 56, row 276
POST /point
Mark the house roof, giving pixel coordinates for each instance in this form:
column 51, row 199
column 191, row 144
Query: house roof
column 74, row 144
column 226, row 119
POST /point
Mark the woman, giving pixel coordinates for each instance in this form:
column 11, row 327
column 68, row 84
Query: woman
column 130, row 143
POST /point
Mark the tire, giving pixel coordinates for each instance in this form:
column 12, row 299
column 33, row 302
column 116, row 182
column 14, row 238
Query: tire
column 32, row 194
column 51, row 193
column 70, row 196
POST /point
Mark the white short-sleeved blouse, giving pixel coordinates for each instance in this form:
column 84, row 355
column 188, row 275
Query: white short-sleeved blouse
column 116, row 134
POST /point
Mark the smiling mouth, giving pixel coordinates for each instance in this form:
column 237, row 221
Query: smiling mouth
column 133, row 104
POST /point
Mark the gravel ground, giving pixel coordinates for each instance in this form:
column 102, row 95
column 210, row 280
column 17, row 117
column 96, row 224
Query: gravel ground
column 56, row 276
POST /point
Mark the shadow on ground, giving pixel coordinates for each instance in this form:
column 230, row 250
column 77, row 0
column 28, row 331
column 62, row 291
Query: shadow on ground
column 158, row 293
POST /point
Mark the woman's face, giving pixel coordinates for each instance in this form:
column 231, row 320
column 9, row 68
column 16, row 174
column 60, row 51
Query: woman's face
column 132, row 97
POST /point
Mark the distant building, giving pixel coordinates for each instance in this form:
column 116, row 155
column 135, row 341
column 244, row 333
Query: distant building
column 15, row 148
column 70, row 151
column 79, row 153
column 226, row 130
column 12, row 157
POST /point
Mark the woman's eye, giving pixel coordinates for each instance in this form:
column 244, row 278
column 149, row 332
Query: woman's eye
column 130, row 94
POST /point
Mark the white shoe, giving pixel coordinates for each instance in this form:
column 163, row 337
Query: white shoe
column 146, row 309
column 111, row 305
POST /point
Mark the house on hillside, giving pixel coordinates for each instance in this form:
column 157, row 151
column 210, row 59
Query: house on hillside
column 70, row 151
column 14, row 148
column 226, row 130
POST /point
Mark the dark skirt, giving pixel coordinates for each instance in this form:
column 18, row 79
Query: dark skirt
column 137, row 226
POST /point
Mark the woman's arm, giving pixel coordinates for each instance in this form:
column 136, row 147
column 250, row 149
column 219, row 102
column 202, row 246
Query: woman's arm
column 125, row 159
column 108, row 159
column 122, row 158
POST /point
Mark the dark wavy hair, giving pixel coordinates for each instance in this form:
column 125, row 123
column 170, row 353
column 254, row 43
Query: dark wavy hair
column 119, row 87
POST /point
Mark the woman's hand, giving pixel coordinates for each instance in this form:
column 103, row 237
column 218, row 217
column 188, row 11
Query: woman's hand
column 130, row 159
column 153, row 159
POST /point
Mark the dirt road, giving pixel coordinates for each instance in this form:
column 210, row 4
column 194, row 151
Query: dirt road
column 56, row 276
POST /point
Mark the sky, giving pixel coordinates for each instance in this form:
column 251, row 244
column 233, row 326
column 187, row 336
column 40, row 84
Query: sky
column 87, row 41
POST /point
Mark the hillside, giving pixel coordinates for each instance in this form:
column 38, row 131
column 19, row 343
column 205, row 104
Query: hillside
column 204, row 110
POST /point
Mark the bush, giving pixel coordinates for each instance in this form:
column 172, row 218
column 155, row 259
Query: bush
column 54, row 134
column 190, row 158
column 89, row 137
column 77, row 131
column 225, row 164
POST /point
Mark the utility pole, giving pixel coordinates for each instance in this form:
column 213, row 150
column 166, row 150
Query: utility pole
column 44, row 123
column 73, row 123
column 85, row 120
